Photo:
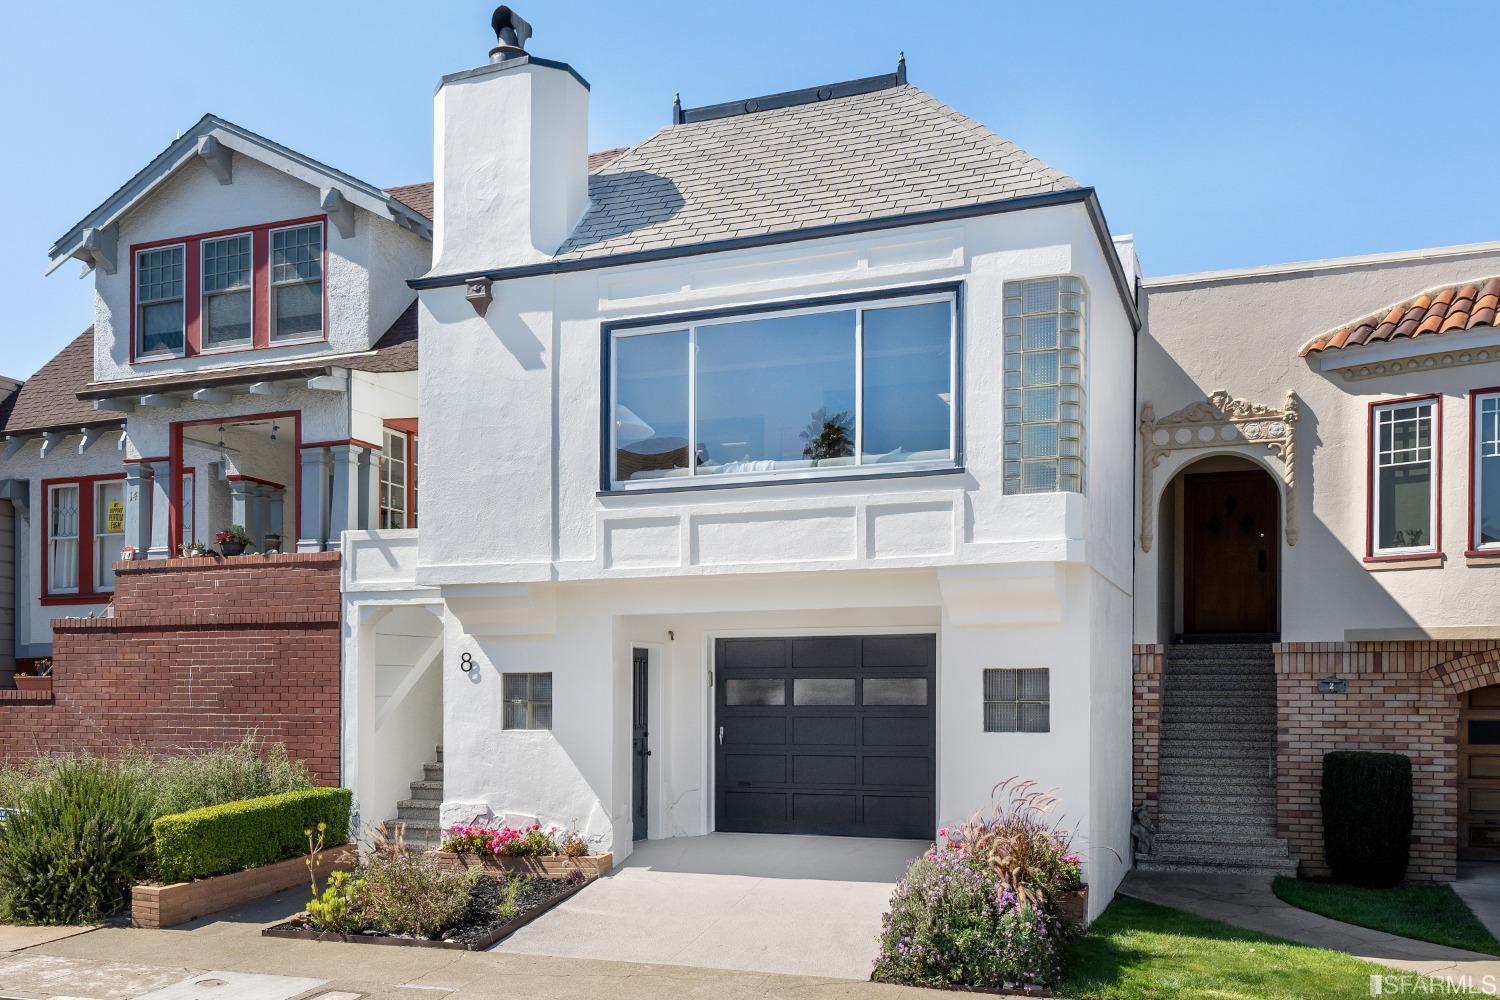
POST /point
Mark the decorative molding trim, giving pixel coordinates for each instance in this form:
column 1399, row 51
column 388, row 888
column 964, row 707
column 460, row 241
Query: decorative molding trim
column 1425, row 362
column 1220, row 421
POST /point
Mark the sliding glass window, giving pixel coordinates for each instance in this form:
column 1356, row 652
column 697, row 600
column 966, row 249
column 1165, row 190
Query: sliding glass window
column 791, row 394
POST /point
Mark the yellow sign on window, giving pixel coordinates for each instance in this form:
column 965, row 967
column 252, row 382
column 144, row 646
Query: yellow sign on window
column 114, row 519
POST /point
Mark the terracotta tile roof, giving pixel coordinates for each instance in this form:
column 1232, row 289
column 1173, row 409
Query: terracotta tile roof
column 1440, row 310
column 49, row 399
column 418, row 197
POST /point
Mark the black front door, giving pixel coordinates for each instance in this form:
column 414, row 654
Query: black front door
column 638, row 738
column 830, row 735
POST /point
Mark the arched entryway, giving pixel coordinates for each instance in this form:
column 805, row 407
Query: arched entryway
column 1223, row 513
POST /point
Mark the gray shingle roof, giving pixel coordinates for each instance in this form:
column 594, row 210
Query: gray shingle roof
column 891, row 152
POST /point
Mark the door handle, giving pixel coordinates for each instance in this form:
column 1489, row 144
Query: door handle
column 721, row 736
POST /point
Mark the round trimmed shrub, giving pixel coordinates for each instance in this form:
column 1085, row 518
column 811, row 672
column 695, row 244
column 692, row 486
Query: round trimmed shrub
column 76, row 845
column 1367, row 816
column 952, row 923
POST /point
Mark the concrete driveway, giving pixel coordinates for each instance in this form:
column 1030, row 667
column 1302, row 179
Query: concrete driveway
column 778, row 904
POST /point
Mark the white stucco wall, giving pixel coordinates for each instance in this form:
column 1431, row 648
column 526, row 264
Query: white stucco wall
column 375, row 398
column 1241, row 332
column 365, row 277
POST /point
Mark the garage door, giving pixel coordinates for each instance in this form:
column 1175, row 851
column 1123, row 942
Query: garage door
column 826, row 735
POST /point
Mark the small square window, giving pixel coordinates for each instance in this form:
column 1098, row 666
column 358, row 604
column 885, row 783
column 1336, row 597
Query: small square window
column 528, row 701
column 1017, row 700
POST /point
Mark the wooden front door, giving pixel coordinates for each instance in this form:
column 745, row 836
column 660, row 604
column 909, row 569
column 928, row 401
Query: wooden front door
column 1479, row 774
column 1230, row 559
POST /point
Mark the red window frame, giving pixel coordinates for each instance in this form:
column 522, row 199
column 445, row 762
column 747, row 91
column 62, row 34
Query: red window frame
column 86, row 593
column 406, row 426
column 192, row 291
column 1436, row 551
column 1474, row 549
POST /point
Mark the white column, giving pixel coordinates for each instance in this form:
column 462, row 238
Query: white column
column 343, row 513
column 313, row 499
column 138, row 496
column 369, row 488
column 161, row 545
column 275, row 513
column 242, row 505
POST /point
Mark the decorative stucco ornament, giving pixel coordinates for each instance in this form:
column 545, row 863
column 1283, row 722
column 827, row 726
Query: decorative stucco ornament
column 1222, row 422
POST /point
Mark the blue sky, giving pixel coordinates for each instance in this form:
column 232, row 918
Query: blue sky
column 1221, row 135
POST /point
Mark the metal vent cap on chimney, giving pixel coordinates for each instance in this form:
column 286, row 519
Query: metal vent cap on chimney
column 511, row 33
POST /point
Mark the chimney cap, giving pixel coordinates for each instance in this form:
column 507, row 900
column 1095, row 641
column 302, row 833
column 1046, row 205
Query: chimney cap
column 511, row 33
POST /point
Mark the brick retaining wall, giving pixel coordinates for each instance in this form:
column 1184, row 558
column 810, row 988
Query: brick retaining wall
column 201, row 652
column 1146, row 663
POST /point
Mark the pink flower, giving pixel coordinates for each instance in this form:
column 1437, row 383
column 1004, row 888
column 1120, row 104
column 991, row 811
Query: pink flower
column 943, row 832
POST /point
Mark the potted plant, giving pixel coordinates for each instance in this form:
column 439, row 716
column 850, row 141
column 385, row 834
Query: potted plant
column 271, row 542
column 233, row 541
column 39, row 680
column 192, row 550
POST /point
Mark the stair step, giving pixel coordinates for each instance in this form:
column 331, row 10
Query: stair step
column 433, row 772
column 1174, row 747
column 440, row 753
column 1200, row 730
column 409, row 809
column 1213, row 826
column 1218, row 699
column 1178, row 802
column 1245, row 846
column 1156, row 863
column 1240, row 788
column 427, row 790
column 1210, row 681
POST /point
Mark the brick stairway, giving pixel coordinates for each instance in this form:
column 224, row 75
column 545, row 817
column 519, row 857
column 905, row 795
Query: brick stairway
column 1217, row 803
column 419, row 814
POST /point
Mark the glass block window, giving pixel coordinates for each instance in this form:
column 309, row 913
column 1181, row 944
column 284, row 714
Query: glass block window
column 297, row 282
column 1044, row 385
column 1017, row 700
column 1404, row 470
column 160, row 318
column 226, row 292
column 528, row 701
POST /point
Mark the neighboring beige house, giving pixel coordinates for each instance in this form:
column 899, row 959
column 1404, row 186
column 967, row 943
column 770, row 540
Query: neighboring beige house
column 1319, row 466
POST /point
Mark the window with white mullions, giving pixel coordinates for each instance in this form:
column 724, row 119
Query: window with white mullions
column 160, row 320
column 62, row 539
column 528, row 701
column 297, row 283
column 1404, row 478
column 796, row 393
column 398, row 473
column 1486, row 483
column 1044, row 385
column 227, row 298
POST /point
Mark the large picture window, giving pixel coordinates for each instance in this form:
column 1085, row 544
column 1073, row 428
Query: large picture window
column 865, row 387
column 1404, row 478
column 1486, row 483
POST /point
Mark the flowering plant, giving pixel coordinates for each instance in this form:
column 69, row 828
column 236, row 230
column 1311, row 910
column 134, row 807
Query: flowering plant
column 234, row 533
column 507, row 841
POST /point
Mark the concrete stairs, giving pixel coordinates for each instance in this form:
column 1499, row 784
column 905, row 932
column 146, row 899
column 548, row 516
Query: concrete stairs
column 419, row 814
column 1216, row 810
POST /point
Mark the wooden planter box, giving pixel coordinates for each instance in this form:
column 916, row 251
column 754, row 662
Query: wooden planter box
column 548, row 866
column 159, row 906
column 1073, row 907
column 27, row 682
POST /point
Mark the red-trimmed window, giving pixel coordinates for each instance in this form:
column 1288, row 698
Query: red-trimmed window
column 1485, row 527
column 1405, row 460
column 398, row 475
column 83, row 531
column 235, row 290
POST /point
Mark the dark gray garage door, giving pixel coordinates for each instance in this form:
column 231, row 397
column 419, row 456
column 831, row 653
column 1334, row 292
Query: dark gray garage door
column 826, row 735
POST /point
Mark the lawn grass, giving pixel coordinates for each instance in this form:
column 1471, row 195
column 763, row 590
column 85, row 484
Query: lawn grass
column 1432, row 913
column 1141, row 951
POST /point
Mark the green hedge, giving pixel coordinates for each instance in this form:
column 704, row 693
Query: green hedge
column 1367, row 816
column 236, row 836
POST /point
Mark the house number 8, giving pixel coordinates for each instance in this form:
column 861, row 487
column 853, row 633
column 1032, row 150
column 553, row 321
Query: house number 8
column 466, row 662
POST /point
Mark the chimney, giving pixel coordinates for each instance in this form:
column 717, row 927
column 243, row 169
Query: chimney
column 510, row 156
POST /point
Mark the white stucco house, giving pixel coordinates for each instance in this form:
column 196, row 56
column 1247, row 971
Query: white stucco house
column 776, row 476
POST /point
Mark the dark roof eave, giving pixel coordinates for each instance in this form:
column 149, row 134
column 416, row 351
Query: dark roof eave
column 107, row 390
column 72, row 427
column 1085, row 195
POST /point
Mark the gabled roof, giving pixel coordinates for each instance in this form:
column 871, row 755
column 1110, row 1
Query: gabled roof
column 1446, row 309
column 49, row 399
column 215, row 134
column 887, row 152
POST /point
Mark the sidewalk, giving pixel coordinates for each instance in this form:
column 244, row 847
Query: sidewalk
column 1247, row 901
column 120, row 963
